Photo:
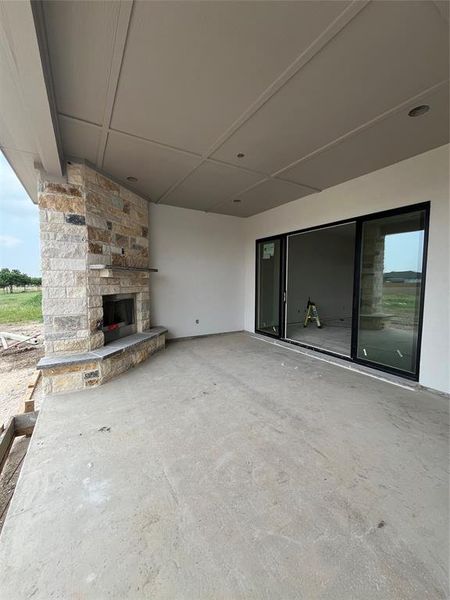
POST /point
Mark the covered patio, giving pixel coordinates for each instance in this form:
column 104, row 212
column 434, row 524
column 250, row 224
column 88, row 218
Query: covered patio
column 174, row 151
column 241, row 469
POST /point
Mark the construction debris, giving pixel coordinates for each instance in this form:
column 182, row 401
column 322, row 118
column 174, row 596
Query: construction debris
column 20, row 339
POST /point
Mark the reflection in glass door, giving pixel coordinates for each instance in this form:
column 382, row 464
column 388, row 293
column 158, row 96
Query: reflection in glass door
column 268, row 286
column 390, row 297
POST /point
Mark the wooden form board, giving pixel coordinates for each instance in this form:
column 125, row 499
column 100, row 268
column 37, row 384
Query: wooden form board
column 6, row 441
column 17, row 425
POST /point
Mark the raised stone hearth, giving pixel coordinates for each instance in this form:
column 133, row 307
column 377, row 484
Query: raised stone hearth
column 87, row 369
column 94, row 244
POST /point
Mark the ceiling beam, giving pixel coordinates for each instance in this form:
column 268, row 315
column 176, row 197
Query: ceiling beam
column 125, row 9
column 26, row 56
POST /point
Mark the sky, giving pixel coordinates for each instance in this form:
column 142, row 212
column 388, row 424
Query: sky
column 19, row 224
column 403, row 251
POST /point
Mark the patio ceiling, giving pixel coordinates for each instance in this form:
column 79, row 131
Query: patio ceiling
column 311, row 93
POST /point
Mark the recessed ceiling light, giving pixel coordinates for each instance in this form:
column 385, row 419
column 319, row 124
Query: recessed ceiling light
column 132, row 179
column 240, row 155
column 236, row 200
column 418, row 111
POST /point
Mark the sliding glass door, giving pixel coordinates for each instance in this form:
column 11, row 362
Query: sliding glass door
column 320, row 271
column 391, row 290
column 268, row 277
column 353, row 289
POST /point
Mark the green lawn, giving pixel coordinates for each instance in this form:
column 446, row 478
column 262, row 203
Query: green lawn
column 20, row 307
column 401, row 301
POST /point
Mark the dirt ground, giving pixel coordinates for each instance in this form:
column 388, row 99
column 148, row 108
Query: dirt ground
column 16, row 368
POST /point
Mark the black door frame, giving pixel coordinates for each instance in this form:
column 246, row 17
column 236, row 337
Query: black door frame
column 281, row 297
column 425, row 206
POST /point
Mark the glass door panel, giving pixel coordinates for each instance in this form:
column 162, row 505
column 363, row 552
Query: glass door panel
column 320, row 270
column 268, row 287
column 390, row 295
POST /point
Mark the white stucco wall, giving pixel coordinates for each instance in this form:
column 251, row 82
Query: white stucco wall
column 206, row 262
column 419, row 179
column 201, row 271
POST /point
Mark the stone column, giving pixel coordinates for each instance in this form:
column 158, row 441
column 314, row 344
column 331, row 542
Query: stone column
column 64, row 252
column 89, row 220
column 372, row 276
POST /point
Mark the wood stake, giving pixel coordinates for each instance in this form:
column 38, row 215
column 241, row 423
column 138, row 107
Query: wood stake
column 28, row 401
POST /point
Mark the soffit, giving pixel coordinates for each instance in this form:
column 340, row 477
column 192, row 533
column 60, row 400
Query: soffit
column 309, row 92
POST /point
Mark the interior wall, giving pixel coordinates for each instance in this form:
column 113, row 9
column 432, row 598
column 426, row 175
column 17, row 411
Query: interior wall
column 321, row 267
column 419, row 179
column 201, row 271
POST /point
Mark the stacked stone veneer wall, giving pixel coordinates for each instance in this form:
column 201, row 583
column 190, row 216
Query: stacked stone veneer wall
column 67, row 377
column 89, row 220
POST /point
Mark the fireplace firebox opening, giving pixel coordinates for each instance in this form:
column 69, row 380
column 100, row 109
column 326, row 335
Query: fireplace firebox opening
column 119, row 316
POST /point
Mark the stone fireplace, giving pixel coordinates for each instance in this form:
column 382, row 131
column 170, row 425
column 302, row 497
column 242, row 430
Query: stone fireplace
column 119, row 318
column 95, row 279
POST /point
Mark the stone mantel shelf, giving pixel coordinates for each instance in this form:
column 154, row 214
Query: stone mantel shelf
column 118, row 268
column 100, row 354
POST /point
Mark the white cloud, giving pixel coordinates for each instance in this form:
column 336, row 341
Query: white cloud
column 9, row 241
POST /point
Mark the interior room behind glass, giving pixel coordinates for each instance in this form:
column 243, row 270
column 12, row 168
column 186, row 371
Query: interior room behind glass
column 321, row 269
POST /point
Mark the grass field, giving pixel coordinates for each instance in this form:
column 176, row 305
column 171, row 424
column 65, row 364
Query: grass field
column 401, row 301
column 20, row 307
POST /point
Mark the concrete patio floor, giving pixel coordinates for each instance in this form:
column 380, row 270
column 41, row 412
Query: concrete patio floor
column 229, row 468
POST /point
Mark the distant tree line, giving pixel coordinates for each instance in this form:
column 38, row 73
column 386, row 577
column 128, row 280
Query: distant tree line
column 14, row 278
column 402, row 276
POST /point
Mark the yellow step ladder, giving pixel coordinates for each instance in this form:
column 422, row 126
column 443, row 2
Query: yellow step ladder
column 311, row 314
